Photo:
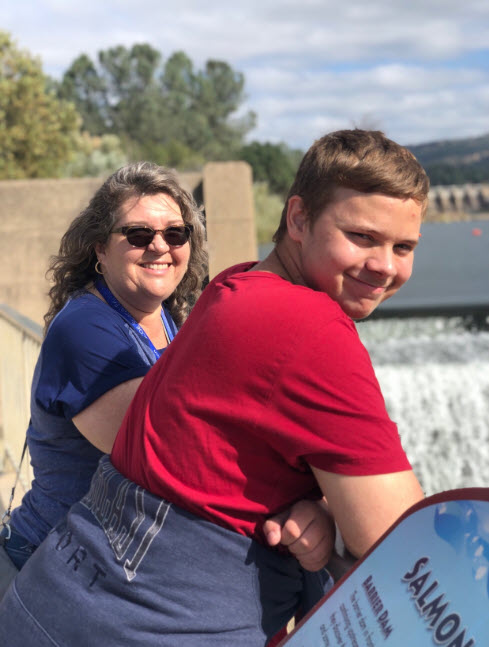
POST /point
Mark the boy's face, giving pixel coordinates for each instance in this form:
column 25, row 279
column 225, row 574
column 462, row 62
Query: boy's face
column 359, row 250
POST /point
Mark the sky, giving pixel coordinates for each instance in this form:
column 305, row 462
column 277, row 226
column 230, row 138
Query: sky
column 416, row 69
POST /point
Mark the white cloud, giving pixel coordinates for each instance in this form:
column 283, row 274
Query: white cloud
column 417, row 69
column 412, row 103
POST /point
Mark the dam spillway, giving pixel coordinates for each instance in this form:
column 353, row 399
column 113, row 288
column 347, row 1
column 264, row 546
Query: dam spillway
column 434, row 374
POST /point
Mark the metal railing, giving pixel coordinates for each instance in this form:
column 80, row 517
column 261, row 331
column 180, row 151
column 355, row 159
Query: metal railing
column 20, row 341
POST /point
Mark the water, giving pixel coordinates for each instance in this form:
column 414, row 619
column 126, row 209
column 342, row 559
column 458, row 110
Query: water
column 434, row 375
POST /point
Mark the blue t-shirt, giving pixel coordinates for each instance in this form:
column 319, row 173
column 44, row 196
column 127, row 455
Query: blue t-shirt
column 89, row 349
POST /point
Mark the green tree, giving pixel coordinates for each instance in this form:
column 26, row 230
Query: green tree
column 274, row 164
column 38, row 131
column 220, row 92
column 95, row 156
column 86, row 89
column 443, row 173
column 268, row 210
column 116, row 96
column 164, row 110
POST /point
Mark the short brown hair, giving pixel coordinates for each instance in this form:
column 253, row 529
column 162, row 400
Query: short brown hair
column 364, row 160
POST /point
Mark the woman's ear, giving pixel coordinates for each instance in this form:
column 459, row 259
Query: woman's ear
column 100, row 251
column 296, row 218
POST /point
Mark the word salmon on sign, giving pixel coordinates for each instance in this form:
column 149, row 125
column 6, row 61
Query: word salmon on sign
column 424, row 583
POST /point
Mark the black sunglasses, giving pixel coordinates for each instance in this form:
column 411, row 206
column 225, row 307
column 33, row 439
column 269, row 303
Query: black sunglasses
column 142, row 235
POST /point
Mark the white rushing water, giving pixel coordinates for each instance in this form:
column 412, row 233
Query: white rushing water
column 434, row 375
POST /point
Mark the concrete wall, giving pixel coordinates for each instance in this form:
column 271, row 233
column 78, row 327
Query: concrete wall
column 34, row 214
column 228, row 200
column 458, row 202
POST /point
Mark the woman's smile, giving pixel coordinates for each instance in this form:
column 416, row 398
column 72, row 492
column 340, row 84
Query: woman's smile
column 142, row 277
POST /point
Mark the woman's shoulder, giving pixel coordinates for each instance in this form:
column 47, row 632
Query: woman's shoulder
column 82, row 309
column 84, row 318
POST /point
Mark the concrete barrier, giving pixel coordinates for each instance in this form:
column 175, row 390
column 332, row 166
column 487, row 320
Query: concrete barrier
column 452, row 203
column 228, row 200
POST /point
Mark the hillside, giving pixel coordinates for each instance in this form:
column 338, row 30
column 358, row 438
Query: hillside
column 455, row 161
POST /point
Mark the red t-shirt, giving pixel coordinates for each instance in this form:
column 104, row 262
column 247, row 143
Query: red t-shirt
column 263, row 379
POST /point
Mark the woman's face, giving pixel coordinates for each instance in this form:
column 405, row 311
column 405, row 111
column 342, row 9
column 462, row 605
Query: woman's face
column 142, row 277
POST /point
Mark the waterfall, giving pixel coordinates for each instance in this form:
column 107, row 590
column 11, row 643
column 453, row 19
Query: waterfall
column 434, row 375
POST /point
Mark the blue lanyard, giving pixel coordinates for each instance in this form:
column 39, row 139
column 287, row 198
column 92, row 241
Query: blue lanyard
column 118, row 307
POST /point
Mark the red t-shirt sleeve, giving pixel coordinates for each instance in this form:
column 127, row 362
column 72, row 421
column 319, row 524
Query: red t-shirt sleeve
column 328, row 407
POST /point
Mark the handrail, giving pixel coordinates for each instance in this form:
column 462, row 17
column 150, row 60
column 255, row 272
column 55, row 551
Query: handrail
column 27, row 326
column 20, row 341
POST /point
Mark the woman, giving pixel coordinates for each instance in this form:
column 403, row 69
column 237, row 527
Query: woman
column 130, row 267
column 105, row 328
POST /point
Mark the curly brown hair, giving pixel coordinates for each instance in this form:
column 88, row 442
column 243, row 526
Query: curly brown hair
column 73, row 268
column 364, row 160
